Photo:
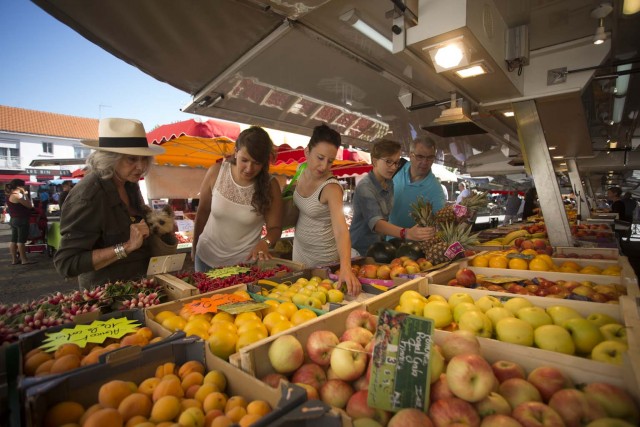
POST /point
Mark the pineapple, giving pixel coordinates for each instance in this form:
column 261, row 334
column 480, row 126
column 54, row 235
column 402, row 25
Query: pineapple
column 474, row 202
column 422, row 213
column 446, row 214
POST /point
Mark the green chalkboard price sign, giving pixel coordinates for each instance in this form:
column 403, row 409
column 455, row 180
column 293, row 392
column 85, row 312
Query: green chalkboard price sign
column 400, row 375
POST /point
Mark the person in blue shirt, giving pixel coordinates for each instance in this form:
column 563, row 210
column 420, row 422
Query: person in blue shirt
column 373, row 201
column 415, row 179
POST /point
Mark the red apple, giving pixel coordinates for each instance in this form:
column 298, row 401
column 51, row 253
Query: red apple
column 615, row 401
column 336, row 393
column 459, row 342
column 348, row 365
column 357, row 407
column 397, row 270
column 575, row 407
column 357, row 334
column 536, row 414
column 440, row 389
column 466, row 277
column 453, row 412
column 548, row 380
column 470, row 377
column 370, row 271
column 361, row 383
column 453, row 282
column 410, row 417
column 493, row 404
column 499, row 420
column 273, row 379
column 383, row 272
column 286, row 354
column 362, row 318
column 517, row 391
column 319, row 346
column 505, row 369
column 310, row 373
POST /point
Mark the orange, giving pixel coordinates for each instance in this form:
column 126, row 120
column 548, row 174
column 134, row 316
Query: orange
column 253, row 325
column 249, row 338
column 163, row 315
column 243, row 294
column 246, row 316
column 302, row 316
column 480, row 261
column 529, row 252
column 498, row 261
column 281, row 326
column 590, row 269
column 223, row 343
column 228, row 326
column 518, row 264
column 538, row 264
column 567, row 269
column 547, row 259
column 222, row 317
column 287, row 308
column 272, row 319
column 273, row 305
column 570, row 264
column 175, row 323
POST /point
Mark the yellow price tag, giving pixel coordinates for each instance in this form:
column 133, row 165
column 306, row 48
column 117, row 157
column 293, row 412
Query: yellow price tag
column 96, row 332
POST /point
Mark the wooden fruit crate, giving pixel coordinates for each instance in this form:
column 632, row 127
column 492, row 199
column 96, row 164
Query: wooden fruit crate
column 175, row 288
column 606, row 253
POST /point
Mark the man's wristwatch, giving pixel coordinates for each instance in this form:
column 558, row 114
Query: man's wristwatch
column 267, row 241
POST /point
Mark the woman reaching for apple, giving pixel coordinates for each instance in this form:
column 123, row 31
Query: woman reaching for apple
column 321, row 233
column 373, row 200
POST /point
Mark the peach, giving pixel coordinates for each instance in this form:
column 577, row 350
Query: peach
column 32, row 363
column 165, row 369
column 168, row 386
column 44, row 368
column 69, row 348
column 112, row 393
column 135, row 404
column 215, row 400
column 65, row 363
column 204, row 390
column 63, row 413
column 190, row 366
column 193, row 378
column 104, row 417
column 90, row 410
column 165, row 409
column 147, row 386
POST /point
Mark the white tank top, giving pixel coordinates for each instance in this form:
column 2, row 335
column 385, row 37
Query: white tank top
column 233, row 227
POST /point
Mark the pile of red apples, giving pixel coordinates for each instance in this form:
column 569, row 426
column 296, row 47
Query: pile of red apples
column 466, row 389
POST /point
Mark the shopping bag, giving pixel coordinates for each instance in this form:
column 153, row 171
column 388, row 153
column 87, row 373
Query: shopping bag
column 290, row 211
column 162, row 245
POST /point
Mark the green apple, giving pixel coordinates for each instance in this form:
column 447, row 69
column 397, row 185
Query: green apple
column 462, row 308
column 305, row 291
column 300, row 299
column 515, row 304
column 601, row 319
column 515, row 331
column 560, row 314
column 584, row 333
column 314, row 302
column 554, row 338
column 335, row 296
column 320, row 296
column 412, row 305
column 406, row 295
column 535, row 316
column 439, row 312
column 488, row 301
column 477, row 322
column 614, row 332
column 436, row 298
column 498, row 313
column 609, row 352
column 459, row 297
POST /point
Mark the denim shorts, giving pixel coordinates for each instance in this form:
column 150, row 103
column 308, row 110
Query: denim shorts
column 201, row 266
column 19, row 230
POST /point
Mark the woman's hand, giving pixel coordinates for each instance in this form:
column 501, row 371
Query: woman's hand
column 421, row 233
column 137, row 233
column 353, row 284
column 260, row 252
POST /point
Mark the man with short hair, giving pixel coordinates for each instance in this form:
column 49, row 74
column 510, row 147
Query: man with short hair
column 414, row 179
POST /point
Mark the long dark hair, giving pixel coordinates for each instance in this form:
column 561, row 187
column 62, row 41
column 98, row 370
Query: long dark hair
column 13, row 184
column 260, row 147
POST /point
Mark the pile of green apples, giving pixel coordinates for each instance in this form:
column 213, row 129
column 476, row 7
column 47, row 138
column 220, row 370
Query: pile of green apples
column 314, row 292
column 517, row 321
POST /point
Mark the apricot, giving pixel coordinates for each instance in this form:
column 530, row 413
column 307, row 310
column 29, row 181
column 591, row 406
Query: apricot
column 90, row 410
column 204, row 390
column 221, row 421
column 190, row 393
column 146, row 332
column 216, row 377
column 92, row 357
column 32, row 363
column 63, row 413
column 147, row 424
column 211, row 415
column 32, row 352
column 96, row 348
column 165, row 408
column 104, row 417
column 112, row 393
column 168, row 386
column 136, row 420
column 65, row 363
column 165, row 369
column 249, row 419
column 112, row 347
column 258, row 407
column 69, row 348
column 134, row 339
column 44, row 368
column 236, row 413
column 190, row 366
column 235, row 401
column 215, row 400
column 193, row 378
column 147, row 386
column 190, row 403
column 192, row 417
column 135, row 404
column 155, row 340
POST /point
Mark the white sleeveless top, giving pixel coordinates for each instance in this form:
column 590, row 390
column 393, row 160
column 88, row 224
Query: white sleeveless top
column 314, row 243
column 233, row 227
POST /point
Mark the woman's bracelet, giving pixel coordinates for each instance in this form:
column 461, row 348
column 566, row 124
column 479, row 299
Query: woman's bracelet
column 119, row 250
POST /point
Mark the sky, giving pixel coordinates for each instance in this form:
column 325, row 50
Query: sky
column 47, row 66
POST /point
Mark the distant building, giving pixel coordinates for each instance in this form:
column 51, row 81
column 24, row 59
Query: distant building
column 27, row 135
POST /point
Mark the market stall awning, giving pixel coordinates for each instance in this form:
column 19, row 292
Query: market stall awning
column 7, row 178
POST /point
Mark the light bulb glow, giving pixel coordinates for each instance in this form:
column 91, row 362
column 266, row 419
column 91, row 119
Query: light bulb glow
column 473, row 71
column 449, row 56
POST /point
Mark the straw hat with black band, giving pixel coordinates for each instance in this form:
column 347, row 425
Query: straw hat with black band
column 124, row 136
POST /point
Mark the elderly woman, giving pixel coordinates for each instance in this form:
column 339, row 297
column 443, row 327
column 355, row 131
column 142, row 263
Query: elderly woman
column 102, row 227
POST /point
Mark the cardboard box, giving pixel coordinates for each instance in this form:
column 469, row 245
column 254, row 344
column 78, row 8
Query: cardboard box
column 175, row 288
column 130, row 364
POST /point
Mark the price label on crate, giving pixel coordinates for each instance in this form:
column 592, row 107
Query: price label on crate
column 454, row 250
column 460, row 210
column 96, row 332
column 243, row 307
column 212, row 303
column 400, row 375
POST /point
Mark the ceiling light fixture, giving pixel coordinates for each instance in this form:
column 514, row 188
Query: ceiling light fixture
column 351, row 17
column 473, row 70
column 600, row 13
column 553, row 147
column 508, row 114
column 448, row 55
column 629, row 7
column 558, row 157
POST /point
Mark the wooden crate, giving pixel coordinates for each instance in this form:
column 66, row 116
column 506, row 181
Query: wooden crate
column 175, row 288
column 608, row 253
column 273, row 262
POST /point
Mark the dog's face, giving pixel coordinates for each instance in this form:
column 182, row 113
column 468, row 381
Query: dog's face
column 160, row 221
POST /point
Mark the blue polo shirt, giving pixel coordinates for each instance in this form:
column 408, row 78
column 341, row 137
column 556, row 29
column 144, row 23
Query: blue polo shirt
column 371, row 203
column 407, row 192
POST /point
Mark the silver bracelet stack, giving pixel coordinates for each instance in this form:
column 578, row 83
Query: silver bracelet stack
column 119, row 250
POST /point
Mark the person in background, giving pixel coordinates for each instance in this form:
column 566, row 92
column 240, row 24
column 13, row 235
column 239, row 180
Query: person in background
column 512, row 207
column 3, row 206
column 373, row 201
column 617, row 205
column 19, row 207
column 414, row 179
column 530, row 204
column 238, row 197
column 445, row 192
column 321, row 233
column 66, row 187
column 43, row 196
column 103, row 233
column 629, row 206
column 464, row 192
